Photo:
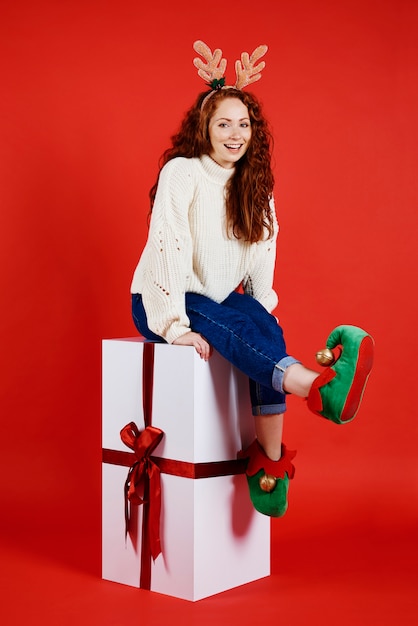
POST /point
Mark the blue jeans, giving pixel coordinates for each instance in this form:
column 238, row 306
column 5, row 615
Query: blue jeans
column 245, row 334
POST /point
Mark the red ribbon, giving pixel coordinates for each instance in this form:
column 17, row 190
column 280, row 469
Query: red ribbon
column 183, row 469
column 147, row 475
column 143, row 484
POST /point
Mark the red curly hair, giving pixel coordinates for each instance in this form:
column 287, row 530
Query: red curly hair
column 250, row 188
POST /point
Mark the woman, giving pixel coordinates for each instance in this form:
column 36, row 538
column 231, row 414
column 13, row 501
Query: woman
column 213, row 230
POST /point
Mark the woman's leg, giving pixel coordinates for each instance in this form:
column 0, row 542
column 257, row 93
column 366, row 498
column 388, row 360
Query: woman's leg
column 240, row 327
column 244, row 333
column 140, row 319
column 335, row 394
column 298, row 380
column 269, row 432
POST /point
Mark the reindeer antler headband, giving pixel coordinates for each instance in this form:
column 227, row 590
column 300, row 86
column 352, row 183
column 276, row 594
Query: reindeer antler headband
column 213, row 70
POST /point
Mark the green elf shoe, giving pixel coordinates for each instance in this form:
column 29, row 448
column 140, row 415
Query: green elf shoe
column 268, row 480
column 337, row 393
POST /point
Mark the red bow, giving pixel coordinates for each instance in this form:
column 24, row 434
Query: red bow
column 143, row 483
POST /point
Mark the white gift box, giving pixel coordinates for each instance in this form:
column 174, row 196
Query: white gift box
column 212, row 538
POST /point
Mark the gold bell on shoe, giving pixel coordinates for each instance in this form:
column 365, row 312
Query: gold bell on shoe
column 267, row 482
column 325, row 357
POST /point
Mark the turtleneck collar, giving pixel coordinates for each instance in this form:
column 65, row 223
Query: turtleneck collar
column 214, row 171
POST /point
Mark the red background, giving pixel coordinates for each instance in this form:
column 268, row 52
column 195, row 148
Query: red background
column 90, row 93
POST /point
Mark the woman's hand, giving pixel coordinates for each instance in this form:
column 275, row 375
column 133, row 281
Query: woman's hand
column 200, row 344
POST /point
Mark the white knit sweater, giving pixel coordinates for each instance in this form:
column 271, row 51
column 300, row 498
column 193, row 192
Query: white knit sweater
column 189, row 250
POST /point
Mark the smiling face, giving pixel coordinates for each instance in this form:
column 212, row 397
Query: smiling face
column 229, row 132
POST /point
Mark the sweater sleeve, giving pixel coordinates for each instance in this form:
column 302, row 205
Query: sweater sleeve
column 169, row 253
column 259, row 281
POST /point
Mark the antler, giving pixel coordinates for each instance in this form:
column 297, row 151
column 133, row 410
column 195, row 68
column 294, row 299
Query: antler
column 209, row 71
column 246, row 70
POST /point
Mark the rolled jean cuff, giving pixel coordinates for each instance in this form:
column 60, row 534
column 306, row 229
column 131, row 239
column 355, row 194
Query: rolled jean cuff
column 269, row 409
column 278, row 372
